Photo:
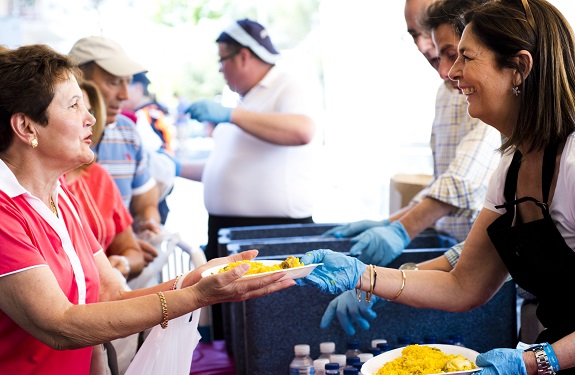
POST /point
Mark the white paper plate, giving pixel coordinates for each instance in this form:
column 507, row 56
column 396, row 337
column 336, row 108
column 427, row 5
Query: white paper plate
column 290, row 273
column 373, row 365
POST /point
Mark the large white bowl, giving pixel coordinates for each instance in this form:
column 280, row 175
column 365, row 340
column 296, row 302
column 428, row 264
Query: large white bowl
column 373, row 365
column 290, row 273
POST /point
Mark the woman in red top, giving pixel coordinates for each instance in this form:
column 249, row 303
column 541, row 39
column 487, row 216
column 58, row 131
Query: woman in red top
column 59, row 294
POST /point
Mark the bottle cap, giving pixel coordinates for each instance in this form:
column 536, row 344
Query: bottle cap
column 338, row 358
column 374, row 342
column 349, row 361
column 319, row 364
column 332, row 366
column 327, row 347
column 383, row 346
column 364, row 357
column 375, row 351
column 353, row 345
column 350, row 371
column 301, row 349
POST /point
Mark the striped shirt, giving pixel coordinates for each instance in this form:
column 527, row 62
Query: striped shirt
column 465, row 154
column 120, row 152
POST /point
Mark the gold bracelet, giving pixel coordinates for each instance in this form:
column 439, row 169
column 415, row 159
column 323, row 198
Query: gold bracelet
column 403, row 278
column 164, row 323
column 175, row 284
column 371, row 283
column 358, row 292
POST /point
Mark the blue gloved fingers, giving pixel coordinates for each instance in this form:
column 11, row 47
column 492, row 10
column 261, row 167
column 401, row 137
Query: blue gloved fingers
column 355, row 228
column 338, row 273
column 345, row 318
column 329, row 313
column 208, row 110
column 361, row 242
column 502, row 361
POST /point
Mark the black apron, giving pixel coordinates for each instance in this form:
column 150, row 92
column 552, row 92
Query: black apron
column 536, row 254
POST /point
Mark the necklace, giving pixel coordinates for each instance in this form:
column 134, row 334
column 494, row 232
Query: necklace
column 53, row 207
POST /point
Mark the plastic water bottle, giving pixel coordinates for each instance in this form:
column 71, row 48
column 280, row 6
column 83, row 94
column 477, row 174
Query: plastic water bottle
column 352, row 349
column 319, row 365
column 302, row 364
column 339, row 359
column 332, row 369
column 457, row 340
column 384, row 347
column 350, row 361
column 326, row 349
column 375, row 351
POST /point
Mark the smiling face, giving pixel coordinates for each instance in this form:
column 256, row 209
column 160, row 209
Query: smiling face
column 68, row 132
column 487, row 86
column 446, row 43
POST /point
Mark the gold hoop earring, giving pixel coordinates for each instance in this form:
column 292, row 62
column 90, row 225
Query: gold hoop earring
column 34, row 142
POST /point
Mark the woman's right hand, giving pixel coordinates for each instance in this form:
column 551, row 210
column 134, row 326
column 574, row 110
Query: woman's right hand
column 338, row 273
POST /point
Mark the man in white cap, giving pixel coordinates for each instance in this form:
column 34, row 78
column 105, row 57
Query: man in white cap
column 120, row 150
column 260, row 171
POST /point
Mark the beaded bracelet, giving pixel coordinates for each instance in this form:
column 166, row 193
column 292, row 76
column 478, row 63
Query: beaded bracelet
column 175, row 284
column 403, row 278
column 164, row 323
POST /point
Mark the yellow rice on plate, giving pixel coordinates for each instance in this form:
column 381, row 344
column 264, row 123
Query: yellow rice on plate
column 421, row 359
column 259, row 267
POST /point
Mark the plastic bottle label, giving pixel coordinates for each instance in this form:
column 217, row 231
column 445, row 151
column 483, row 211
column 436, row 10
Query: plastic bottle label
column 302, row 371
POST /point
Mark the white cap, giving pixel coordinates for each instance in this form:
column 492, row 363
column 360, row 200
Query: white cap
column 327, row 347
column 108, row 54
column 301, row 349
column 377, row 341
column 319, row 364
column 338, row 358
column 364, row 357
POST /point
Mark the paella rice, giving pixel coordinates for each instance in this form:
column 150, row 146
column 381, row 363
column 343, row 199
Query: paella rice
column 259, row 267
column 421, row 359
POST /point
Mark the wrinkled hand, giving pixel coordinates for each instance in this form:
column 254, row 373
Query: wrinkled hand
column 502, row 361
column 208, row 110
column 349, row 311
column 380, row 245
column 338, row 273
column 150, row 252
column 196, row 274
column 355, row 228
column 227, row 286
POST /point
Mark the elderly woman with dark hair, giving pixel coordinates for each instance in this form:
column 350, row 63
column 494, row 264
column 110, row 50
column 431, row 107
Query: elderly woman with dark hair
column 516, row 66
column 58, row 293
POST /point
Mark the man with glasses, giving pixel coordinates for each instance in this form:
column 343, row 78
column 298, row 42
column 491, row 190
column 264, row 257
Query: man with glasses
column 464, row 153
column 260, row 170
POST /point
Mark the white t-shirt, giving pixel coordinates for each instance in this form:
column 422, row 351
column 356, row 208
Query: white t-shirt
column 562, row 207
column 248, row 177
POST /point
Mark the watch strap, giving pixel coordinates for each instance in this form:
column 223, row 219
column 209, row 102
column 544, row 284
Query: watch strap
column 543, row 365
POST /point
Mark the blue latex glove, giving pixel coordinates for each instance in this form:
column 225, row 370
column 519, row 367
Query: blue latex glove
column 355, row 228
column 380, row 245
column 208, row 110
column 338, row 273
column 502, row 361
column 349, row 311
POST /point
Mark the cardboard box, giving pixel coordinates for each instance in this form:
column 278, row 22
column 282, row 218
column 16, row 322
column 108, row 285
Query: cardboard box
column 403, row 187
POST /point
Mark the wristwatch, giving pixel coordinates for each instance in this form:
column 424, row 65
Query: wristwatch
column 543, row 365
column 409, row 266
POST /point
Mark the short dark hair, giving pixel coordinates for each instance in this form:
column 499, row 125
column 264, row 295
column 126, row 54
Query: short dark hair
column 446, row 12
column 28, row 75
column 547, row 112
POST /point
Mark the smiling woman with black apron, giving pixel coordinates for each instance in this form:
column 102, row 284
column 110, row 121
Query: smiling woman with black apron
column 535, row 253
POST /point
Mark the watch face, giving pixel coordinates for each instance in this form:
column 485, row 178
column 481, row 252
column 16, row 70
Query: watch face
column 408, row 266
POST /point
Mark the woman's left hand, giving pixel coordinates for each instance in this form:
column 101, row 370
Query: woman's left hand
column 338, row 273
column 195, row 275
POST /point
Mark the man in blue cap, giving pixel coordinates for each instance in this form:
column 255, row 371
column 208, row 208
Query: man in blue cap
column 260, row 170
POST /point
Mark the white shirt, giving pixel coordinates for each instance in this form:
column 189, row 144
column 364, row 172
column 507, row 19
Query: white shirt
column 248, row 177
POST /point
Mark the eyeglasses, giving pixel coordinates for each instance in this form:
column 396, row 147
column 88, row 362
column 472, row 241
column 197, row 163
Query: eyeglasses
column 528, row 13
column 224, row 58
